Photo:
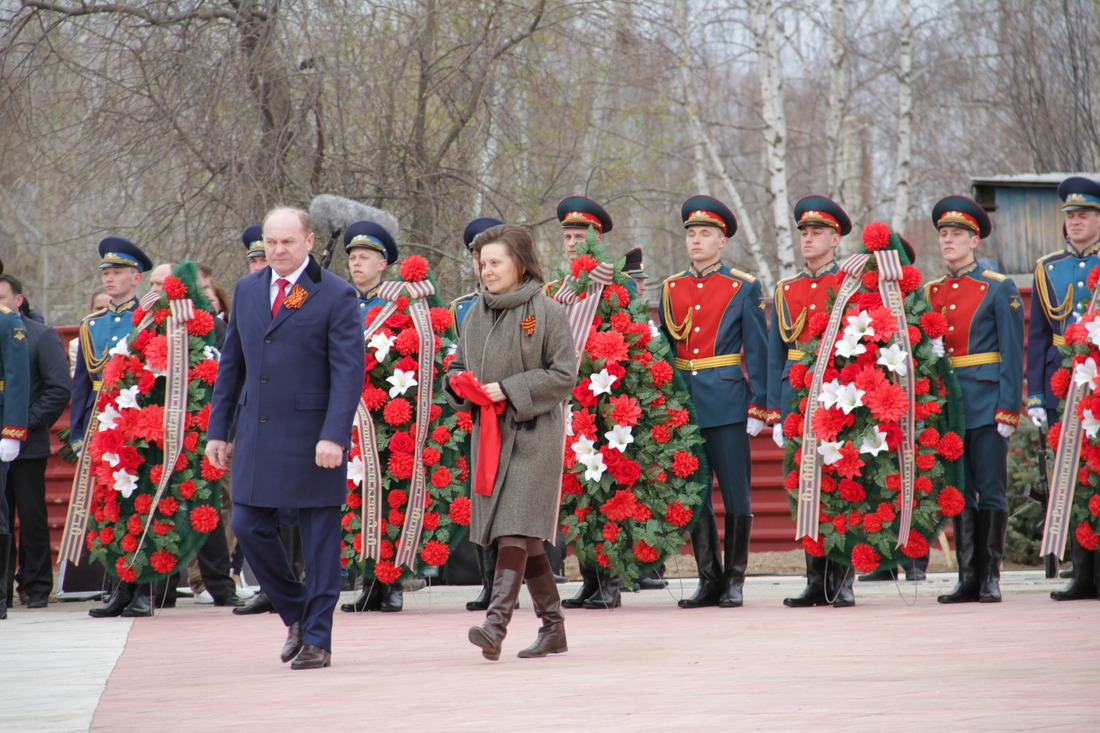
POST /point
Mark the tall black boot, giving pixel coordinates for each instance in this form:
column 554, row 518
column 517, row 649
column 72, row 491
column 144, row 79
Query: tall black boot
column 994, row 524
column 486, row 561
column 393, row 598
column 118, row 601
column 142, row 602
column 589, row 587
column 814, row 592
column 704, row 543
column 917, row 568
column 736, row 545
column 1083, row 585
column 839, row 585
column 5, row 591
column 369, row 600
column 652, row 579
column 966, row 552
column 607, row 593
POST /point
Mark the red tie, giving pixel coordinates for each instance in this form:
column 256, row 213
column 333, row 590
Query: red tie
column 283, row 282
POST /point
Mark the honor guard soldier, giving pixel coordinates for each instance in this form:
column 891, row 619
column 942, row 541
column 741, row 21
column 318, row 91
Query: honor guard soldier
column 370, row 249
column 15, row 392
column 460, row 306
column 636, row 269
column 714, row 317
column 1061, row 295
column 121, row 270
column 253, row 240
column 985, row 334
column 576, row 214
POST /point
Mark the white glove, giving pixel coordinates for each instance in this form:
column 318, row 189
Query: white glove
column 1038, row 415
column 9, row 449
column 777, row 434
column 754, row 426
column 937, row 346
column 1005, row 430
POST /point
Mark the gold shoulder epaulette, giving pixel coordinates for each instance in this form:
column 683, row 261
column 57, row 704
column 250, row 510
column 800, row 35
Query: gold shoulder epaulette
column 743, row 275
column 993, row 275
column 677, row 276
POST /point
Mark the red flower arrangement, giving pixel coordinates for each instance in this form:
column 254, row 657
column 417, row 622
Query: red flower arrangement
column 127, row 448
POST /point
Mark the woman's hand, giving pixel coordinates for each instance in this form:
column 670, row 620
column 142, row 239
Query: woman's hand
column 496, row 394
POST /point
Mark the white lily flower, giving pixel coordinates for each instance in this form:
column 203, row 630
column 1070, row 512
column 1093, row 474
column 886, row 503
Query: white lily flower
column 849, row 346
column 111, row 458
column 849, row 398
column 356, row 472
column 401, row 381
column 1086, row 374
column 895, row 359
column 125, row 483
column 107, row 418
column 859, row 326
column 121, row 347
column 878, row 445
column 830, row 452
column 583, row 447
column 594, row 467
column 1093, row 327
column 381, row 344
column 654, row 332
column 601, row 383
column 1091, row 424
column 827, row 396
column 128, row 397
column 619, row 437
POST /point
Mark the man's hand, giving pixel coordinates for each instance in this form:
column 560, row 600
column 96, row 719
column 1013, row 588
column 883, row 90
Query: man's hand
column 496, row 394
column 1038, row 416
column 218, row 452
column 777, row 434
column 329, row 454
column 9, row 449
column 753, row 426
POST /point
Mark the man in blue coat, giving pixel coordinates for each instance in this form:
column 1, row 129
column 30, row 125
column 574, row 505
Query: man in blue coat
column 291, row 368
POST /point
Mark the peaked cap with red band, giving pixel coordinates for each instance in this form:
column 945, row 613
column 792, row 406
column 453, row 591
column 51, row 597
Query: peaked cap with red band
column 961, row 212
column 821, row 212
column 708, row 211
column 578, row 212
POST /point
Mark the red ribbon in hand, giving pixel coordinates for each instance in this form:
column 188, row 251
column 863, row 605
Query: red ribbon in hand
column 488, row 448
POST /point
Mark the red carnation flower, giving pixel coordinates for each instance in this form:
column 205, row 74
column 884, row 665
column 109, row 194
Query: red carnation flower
column 1094, row 500
column 829, row 483
column 620, row 506
column 156, row 353
column 125, row 574
column 441, row 479
column 395, row 517
column 610, row 531
column 677, row 514
column 934, row 324
column 872, row 523
column 408, row 342
column 870, row 280
column 797, row 376
column 168, row 506
column 1094, row 277
column 441, row 319
column 460, row 511
column 840, row 524
column 441, row 434
column 386, row 573
column 601, row 557
column 923, row 485
column 621, row 321
column 849, row 464
column 401, row 465
column 876, row 236
column 581, row 512
column 886, row 511
column 143, row 503
column 791, row 482
column 888, row 403
column 187, row 489
column 1060, row 381
column 929, row 437
column 570, row 486
column 209, row 472
column 865, row 559
column 813, row 547
column 644, row 551
column 163, row 561
column 916, row 546
column 817, row 324
column 914, row 334
column 90, row 539
column 868, row 301
column 204, row 518
column 684, row 464
column 852, row 491
column 951, row 501
column 925, row 409
column 910, row 279
column 950, row 446
column 398, row 411
column 161, row 315
column 414, row 268
column 139, row 315
column 609, row 345
column 658, row 401
column 679, row 418
column 435, row 552
column 1086, row 536
column 201, row 324
column 174, row 288
column 625, row 410
column 661, row 372
column 353, row 499
column 397, row 498
column 926, row 462
column 829, row 421
column 794, row 425
column 584, row 263
column 620, row 294
column 430, row 456
column 107, row 535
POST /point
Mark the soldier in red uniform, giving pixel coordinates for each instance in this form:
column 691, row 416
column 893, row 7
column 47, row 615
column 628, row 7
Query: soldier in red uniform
column 985, row 335
column 714, row 317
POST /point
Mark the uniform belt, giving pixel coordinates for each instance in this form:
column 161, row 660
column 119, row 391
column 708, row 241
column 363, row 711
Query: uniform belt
column 1, row 385
column 96, row 385
column 1058, row 340
column 986, row 357
column 709, row 362
column 795, row 354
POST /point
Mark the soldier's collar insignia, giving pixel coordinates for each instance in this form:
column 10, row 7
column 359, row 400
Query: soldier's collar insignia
column 122, row 307
column 825, row 269
column 963, row 270
column 708, row 270
column 297, row 296
column 528, row 325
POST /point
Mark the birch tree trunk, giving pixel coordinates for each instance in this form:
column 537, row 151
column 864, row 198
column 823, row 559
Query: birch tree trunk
column 834, row 103
column 905, row 117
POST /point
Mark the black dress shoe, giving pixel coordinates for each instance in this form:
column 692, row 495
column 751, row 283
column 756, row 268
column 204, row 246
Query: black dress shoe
column 312, row 657
column 121, row 597
column 230, row 600
column 260, row 603
column 142, row 602
column 293, row 643
column 481, row 603
column 647, row 583
column 880, row 575
column 393, row 598
column 915, row 574
column 37, row 601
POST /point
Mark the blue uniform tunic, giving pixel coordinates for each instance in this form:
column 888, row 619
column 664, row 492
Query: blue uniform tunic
column 100, row 332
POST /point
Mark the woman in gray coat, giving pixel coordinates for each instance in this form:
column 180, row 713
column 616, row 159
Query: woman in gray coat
column 514, row 367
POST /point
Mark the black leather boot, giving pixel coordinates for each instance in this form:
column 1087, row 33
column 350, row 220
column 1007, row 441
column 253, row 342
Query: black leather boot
column 652, row 579
column 704, row 543
column 259, row 603
column 142, row 602
column 589, row 587
column 507, row 579
column 917, row 569
column 369, row 600
column 839, row 588
column 880, row 575
column 486, row 561
column 994, row 524
column 120, row 598
column 544, row 597
column 966, row 552
column 736, row 545
column 1083, row 584
column 607, row 593
column 814, row 592
column 393, row 598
